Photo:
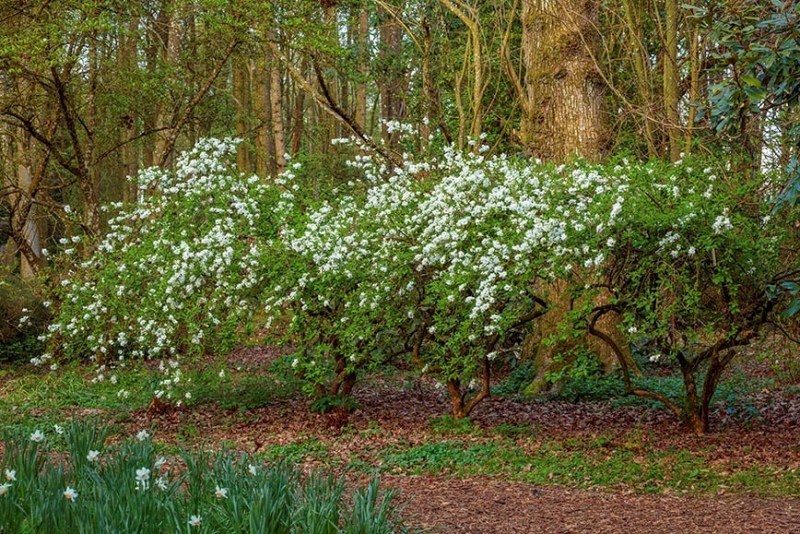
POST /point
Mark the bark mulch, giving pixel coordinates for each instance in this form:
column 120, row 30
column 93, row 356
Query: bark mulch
column 488, row 506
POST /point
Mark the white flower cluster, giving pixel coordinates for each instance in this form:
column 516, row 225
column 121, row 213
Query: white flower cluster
column 452, row 247
column 178, row 270
column 446, row 251
column 456, row 242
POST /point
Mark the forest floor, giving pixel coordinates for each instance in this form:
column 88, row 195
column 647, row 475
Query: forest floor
column 525, row 467
column 553, row 465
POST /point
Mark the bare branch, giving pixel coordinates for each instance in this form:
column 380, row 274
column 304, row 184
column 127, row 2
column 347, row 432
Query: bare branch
column 169, row 144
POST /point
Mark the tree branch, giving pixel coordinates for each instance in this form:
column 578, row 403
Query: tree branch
column 337, row 111
column 169, row 145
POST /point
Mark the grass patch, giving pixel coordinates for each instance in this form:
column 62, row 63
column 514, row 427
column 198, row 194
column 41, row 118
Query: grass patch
column 240, row 390
column 587, row 464
column 512, row 431
column 732, row 394
column 310, row 449
column 447, row 425
column 32, row 395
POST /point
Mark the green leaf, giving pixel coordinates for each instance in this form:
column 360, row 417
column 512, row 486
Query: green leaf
column 792, row 287
column 793, row 308
column 751, row 81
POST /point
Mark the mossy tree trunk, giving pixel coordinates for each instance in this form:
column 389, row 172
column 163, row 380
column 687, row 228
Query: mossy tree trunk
column 563, row 89
column 564, row 117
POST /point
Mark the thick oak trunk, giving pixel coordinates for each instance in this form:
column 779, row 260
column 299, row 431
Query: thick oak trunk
column 563, row 89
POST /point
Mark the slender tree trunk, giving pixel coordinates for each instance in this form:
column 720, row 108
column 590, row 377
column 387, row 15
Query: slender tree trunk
column 391, row 79
column 671, row 79
column 693, row 413
column 24, row 229
column 8, row 250
column 90, row 127
column 128, row 151
column 261, row 109
column 241, row 96
column 276, row 115
column 164, row 120
column 473, row 60
column 362, row 36
column 299, row 115
column 696, row 58
column 329, row 125
column 157, row 40
column 642, row 66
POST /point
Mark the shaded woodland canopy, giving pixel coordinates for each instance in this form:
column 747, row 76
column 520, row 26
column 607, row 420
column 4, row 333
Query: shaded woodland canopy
column 94, row 90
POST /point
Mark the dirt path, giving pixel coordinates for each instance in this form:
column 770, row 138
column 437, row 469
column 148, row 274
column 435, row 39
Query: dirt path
column 487, row 506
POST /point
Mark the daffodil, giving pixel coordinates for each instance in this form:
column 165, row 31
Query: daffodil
column 195, row 520
column 11, row 475
column 142, row 478
column 37, row 436
column 4, row 488
column 93, row 456
column 70, row 494
column 221, row 493
column 142, row 435
column 143, row 474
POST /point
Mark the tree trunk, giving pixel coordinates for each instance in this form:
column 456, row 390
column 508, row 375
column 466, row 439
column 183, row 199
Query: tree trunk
column 330, row 128
column 694, row 416
column 276, row 115
column 671, row 78
column 157, row 39
column 128, row 153
column 473, row 57
column 696, row 59
column 562, row 118
column 390, row 78
column 563, row 89
column 299, row 114
column 241, row 96
column 164, row 120
column 261, row 109
column 640, row 57
column 25, row 231
column 361, row 87
column 24, row 228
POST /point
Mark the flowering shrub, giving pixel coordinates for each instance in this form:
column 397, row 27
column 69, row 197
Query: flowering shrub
column 691, row 266
column 444, row 256
column 179, row 272
column 440, row 258
column 127, row 487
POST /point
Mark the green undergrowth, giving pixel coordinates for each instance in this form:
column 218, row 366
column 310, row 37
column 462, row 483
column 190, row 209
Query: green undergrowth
column 30, row 395
column 444, row 447
column 733, row 393
column 240, row 390
column 35, row 395
column 587, row 464
column 308, row 449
